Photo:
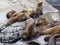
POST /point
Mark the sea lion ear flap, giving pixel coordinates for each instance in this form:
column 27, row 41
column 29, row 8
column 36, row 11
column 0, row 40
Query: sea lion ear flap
column 10, row 13
column 39, row 8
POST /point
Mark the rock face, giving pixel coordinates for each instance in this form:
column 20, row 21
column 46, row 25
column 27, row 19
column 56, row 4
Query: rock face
column 12, row 33
column 25, row 4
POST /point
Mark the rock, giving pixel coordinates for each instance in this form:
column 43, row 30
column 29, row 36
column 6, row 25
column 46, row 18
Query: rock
column 15, row 27
column 12, row 33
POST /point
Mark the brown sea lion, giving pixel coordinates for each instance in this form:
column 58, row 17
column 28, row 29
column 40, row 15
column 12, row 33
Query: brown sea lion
column 32, row 30
column 23, row 15
column 39, row 8
column 51, row 31
column 17, row 17
column 28, row 33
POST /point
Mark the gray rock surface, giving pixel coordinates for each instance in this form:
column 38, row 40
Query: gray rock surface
column 11, row 31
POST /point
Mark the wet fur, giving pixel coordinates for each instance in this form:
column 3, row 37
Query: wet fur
column 28, row 33
column 38, row 12
column 51, row 31
column 32, row 30
column 18, row 17
column 23, row 16
column 39, row 8
column 15, row 16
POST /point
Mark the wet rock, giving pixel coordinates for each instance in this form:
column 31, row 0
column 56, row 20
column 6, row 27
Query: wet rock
column 12, row 33
column 15, row 27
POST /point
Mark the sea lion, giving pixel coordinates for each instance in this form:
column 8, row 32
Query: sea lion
column 23, row 15
column 51, row 31
column 28, row 32
column 39, row 8
column 52, row 40
column 32, row 29
column 17, row 16
column 38, row 12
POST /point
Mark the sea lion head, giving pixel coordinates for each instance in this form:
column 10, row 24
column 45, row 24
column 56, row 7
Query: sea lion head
column 10, row 14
